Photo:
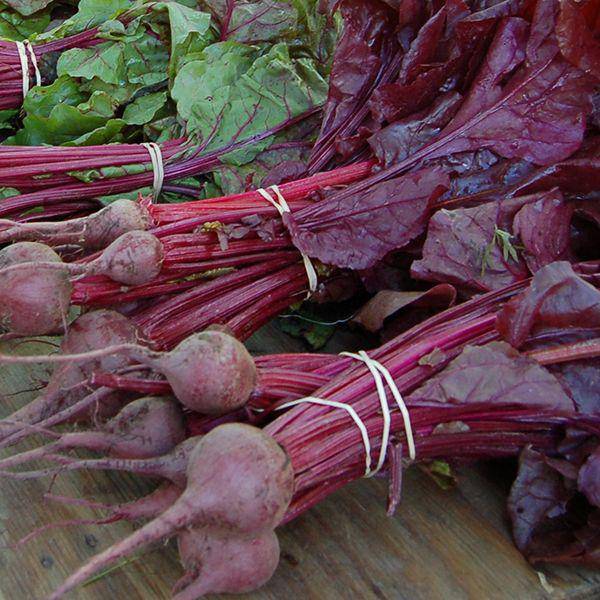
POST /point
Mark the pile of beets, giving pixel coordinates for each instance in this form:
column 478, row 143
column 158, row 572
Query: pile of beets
column 450, row 196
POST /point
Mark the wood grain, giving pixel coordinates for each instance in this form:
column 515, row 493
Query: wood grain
column 440, row 545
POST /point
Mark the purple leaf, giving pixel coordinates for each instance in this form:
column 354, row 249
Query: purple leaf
column 462, row 248
column 556, row 298
column 526, row 101
column 404, row 137
column 552, row 521
column 358, row 231
column 581, row 380
column 589, row 478
column 435, row 60
column 365, row 51
column 577, row 30
column 537, row 493
column 494, row 374
column 537, row 114
column 544, row 229
column 578, row 176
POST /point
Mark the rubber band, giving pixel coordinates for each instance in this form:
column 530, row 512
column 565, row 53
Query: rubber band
column 385, row 409
column 157, row 166
column 34, row 64
column 373, row 364
column 24, row 48
column 283, row 207
column 24, row 66
column 359, row 423
column 377, row 370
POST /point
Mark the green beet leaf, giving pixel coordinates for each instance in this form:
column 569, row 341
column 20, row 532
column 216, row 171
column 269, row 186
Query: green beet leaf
column 17, row 27
column 27, row 7
column 234, row 93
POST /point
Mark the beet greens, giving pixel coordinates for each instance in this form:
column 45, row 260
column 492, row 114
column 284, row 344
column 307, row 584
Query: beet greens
column 443, row 154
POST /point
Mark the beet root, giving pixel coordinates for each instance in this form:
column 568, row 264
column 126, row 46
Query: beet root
column 171, row 466
column 67, row 385
column 240, row 483
column 25, row 252
column 250, row 473
column 34, row 299
column 217, row 563
column 146, row 507
column 209, row 372
column 144, row 428
column 91, row 233
column 134, row 258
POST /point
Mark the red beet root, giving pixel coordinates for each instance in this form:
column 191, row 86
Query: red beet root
column 144, row 428
column 33, row 300
column 209, row 372
column 66, row 387
column 224, row 564
column 240, row 483
column 91, row 233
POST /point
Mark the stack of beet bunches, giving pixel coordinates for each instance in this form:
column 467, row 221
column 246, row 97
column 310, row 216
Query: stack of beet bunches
column 267, row 156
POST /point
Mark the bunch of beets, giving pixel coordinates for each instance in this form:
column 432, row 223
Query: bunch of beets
column 457, row 163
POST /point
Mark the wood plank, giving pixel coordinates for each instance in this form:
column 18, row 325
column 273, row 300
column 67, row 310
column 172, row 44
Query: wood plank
column 441, row 544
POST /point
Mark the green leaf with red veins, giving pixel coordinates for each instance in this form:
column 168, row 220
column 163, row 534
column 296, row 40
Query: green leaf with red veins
column 27, row 7
column 233, row 92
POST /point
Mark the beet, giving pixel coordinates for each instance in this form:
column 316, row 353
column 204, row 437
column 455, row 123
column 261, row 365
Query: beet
column 219, row 563
column 171, row 466
column 91, row 233
column 24, row 252
column 144, row 428
column 133, row 259
column 239, row 485
column 93, row 330
column 209, row 372
column 33, row 300
column 35, row 288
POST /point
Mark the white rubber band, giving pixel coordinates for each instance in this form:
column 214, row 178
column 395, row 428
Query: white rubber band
column 374, row 365
column 157, row 166
column 385, row 409
column 410, row 440
column 377, row 370
column 34, row 64
column 24, row 66
column 359, row 423
column 283, row 207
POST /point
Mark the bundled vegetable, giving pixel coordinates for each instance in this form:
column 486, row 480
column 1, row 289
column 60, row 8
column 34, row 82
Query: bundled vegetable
column 442, row 413
column 96, row 32
column 232, row 124
column 462, row 139
column 189, row 370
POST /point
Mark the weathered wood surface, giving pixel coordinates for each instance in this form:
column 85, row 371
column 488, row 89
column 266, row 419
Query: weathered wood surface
column 441, row 544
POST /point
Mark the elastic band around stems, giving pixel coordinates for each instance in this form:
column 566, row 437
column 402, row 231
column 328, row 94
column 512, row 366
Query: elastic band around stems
column 377, row 370
column 157, row 166
column 385, row 409
column 283, row 207
column 24, row 66
column 23, row 48
column 359, row 423
column 34, row 64
column 374, row 365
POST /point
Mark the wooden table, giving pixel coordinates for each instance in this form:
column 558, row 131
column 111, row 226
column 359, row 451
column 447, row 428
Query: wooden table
column 440, row 545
